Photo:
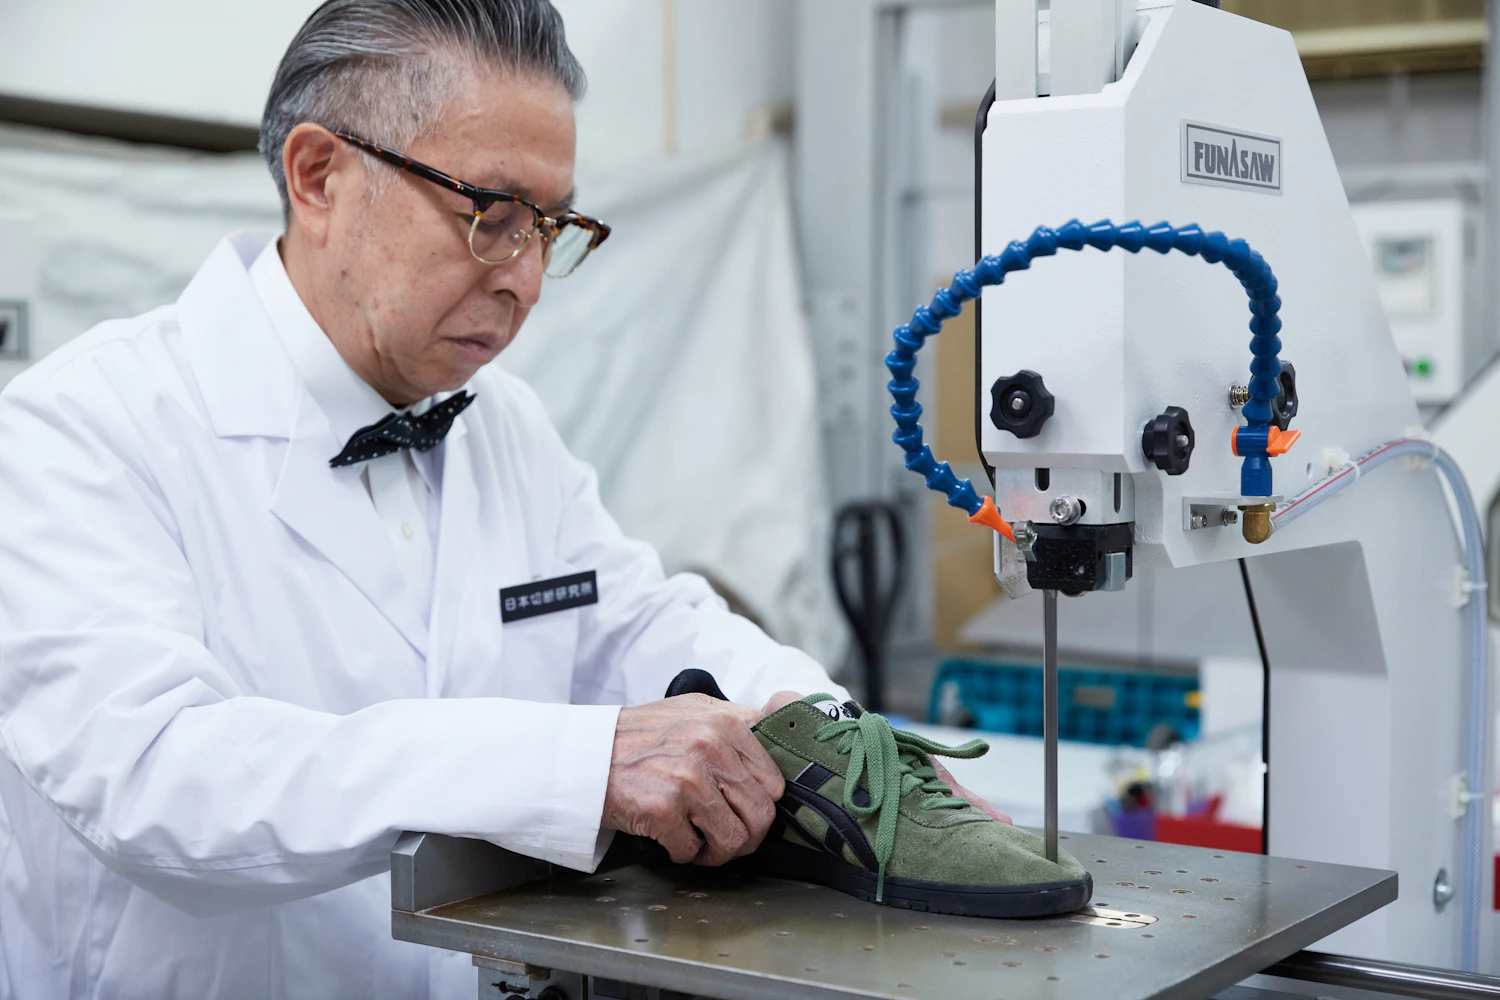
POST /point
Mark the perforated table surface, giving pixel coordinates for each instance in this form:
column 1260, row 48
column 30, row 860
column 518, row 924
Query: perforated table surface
column 1167, row 921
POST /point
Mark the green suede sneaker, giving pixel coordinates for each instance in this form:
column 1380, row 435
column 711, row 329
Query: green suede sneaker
column 865, row 813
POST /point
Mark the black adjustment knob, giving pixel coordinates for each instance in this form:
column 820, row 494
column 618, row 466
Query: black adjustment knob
column 1022, row 404
column 1168, row 441
column 1285, row 406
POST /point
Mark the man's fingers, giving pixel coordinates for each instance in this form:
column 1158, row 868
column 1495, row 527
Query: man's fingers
column 755, row 809
column 724, row 836
column 748, row 714
column 780, row 700
column 758, row 762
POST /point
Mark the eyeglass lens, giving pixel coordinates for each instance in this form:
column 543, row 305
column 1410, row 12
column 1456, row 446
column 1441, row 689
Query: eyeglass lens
column 502, row 231
column 567, row 250
column 506, row 227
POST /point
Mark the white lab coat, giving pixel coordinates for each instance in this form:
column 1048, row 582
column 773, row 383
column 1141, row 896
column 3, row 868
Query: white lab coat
column 218, row 704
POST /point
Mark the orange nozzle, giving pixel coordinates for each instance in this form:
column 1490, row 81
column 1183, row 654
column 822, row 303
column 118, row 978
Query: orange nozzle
column 989, row 516
column 1279, row 442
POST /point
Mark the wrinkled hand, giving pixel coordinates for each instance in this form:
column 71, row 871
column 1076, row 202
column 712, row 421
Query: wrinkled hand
column 688, row 773
column 964, row 793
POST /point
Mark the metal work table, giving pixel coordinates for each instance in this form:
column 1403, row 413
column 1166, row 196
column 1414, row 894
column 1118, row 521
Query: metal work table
column 1167, row 921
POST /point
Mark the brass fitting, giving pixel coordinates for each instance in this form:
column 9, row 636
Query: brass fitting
column 1256, row 524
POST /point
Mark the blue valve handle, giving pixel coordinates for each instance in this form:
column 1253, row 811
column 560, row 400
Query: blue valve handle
column 1248, row 265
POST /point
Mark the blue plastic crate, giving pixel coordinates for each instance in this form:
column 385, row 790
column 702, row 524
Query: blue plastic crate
column 1113, row 707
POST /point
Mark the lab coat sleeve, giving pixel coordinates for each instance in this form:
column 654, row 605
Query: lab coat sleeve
column 646, row 626
column 114, row 711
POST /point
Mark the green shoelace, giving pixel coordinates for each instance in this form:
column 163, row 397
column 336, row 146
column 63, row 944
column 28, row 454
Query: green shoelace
column 892, row 762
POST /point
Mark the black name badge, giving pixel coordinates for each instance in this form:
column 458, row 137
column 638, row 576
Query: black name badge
column 542, row 597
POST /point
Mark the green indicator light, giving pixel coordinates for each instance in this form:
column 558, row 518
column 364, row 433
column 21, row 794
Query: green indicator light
column 1424, row 367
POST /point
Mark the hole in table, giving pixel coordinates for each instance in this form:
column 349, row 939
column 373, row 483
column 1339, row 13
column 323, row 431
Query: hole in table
column 783, row 933
column 1183, row 892
column 1113, row 923
column 838, row 915
column 1151, row 872
column 1125, row 883
column 1228, row 899
column 1208, row 880
column 867, row 947
column 723, row 954
column 1011, row 965
column 950, row 954
column 697, row 895
column 1048, row 948
column 656, row 906
column 759, row 902
column 1051, row 979
column 809, row 968
column 921, row 927
column 605, row 899
column 1301, row 866
column 1190, row 916
column 960, row 963
column 985, row 940
column 642, row 940
column 1101, row 956
column 702, row 920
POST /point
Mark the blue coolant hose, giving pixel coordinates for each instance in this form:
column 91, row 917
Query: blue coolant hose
column 1247, row 265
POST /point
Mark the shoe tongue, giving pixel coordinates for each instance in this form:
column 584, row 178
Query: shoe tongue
column 830, row 706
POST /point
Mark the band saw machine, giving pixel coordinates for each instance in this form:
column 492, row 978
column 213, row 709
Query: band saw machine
column 1154, row 190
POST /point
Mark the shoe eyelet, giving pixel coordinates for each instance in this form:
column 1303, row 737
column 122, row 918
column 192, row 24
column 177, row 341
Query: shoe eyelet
column 792, row 724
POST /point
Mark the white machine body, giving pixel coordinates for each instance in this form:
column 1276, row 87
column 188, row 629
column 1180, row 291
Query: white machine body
column 1363, row 631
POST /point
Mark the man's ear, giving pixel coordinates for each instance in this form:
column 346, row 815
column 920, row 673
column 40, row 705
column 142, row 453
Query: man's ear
column 318, row 167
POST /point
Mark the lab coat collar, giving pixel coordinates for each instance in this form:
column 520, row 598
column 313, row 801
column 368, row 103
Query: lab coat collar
column 251, row 388
column 348, row 401
column 249, row 385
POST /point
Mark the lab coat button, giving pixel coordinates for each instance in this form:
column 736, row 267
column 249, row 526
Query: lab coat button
column 406, row 529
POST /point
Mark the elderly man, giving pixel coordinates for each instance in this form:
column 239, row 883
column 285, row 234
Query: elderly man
column 285, row 569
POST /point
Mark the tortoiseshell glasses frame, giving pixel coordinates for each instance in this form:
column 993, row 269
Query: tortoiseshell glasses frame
column 504, row 223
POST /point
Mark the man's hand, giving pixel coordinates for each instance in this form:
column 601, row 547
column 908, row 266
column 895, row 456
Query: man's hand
column 688, row 773
column 964, row 793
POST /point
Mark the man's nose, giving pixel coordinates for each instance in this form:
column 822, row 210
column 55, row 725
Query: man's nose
column 522, row 274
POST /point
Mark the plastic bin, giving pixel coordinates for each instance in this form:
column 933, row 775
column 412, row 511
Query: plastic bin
column 1112, row 707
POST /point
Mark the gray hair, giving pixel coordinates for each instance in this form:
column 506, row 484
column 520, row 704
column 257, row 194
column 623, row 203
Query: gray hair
column 386, row 69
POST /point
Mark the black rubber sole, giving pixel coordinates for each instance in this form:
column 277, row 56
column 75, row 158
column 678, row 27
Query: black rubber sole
column 782, row 859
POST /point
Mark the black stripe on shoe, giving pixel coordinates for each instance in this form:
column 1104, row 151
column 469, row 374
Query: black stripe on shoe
column 847, row 826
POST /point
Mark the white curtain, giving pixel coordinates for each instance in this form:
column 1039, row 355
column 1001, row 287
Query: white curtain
column 678, row 360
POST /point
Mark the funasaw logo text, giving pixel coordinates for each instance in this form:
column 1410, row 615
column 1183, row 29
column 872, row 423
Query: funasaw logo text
column 1244, row 160
column 1234, row 162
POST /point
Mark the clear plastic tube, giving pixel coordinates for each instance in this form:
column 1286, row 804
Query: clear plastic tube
column 1477, row 627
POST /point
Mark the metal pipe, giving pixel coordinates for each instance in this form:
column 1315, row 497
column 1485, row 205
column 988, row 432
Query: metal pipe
column 1049, row 720
column 1389, row 977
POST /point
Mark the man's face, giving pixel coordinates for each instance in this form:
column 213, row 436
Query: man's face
column 431, row 314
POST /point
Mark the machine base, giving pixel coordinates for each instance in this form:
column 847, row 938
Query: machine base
column 1166, row 921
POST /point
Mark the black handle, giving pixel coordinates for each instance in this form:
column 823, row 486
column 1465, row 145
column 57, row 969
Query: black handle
column 695, row 681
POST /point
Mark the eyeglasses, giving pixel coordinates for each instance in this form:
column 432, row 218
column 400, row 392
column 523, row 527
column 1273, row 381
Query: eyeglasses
column 505, row 223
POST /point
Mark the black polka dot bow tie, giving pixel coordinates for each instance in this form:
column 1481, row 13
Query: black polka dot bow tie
column 402, row 430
